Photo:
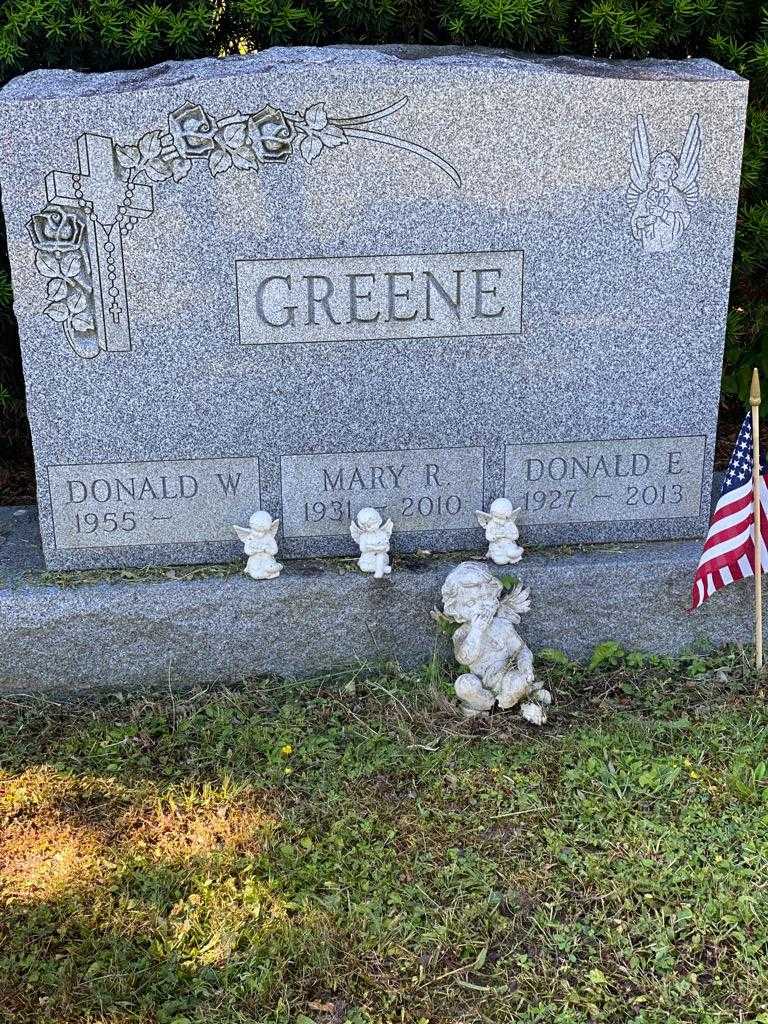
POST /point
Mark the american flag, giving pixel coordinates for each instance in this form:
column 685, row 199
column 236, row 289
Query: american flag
column 729, row 550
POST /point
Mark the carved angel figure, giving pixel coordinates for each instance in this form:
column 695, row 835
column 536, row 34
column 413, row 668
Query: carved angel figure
column 663, row 191
column 260, row 546
column 501, row 532
column 500, row 664
column 372, row 536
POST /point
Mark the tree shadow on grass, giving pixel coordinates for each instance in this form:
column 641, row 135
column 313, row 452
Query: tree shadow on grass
column 154, row 910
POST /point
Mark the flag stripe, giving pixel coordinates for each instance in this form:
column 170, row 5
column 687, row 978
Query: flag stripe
column 727, row 506
column 735, row 538
column 728, row 554
column 724, row 540
column 730, row 516
column 727, row 557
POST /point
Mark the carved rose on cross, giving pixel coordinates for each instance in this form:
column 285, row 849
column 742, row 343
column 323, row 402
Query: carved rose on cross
column 55, row 230
column 192, row 130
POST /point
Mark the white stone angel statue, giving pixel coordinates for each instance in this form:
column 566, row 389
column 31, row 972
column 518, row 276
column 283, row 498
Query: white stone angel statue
column 260, row 545
column 500, row 664
column 372, row 535
column 501, row 532
column 663, row 191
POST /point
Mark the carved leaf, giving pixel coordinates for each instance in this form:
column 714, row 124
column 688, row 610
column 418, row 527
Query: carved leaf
column 157, row 170
column 47, row 265
column 82, row 323
column 180, row 168
column 245, row 159
column 76, row 302
column 316, row 117
column 234, row 135
column 333, row 136
column 71, row 264
column 57, row 311
column 310, row 148
column 219, row 162
column 128, row 156
column 150, row 145
column 57, row 290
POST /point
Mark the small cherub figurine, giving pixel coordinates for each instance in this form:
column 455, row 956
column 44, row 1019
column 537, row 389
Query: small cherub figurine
column 501, row 532
column 260, row 546
column 371, row 534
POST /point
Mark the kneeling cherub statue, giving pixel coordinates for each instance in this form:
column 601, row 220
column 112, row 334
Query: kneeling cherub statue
column 500, row 664
column 260, row 546
column 372, row 535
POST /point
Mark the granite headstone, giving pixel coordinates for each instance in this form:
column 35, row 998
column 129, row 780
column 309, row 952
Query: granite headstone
column 316, row 279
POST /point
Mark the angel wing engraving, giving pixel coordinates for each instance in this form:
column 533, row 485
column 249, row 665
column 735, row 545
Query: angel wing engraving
column 687, row 175
column 640, row 154
column 483, row 518
column 243, row 532
column 388, row 527
column 663, row 190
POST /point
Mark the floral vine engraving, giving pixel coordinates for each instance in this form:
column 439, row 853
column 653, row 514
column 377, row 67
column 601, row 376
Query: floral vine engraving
column 78, row 236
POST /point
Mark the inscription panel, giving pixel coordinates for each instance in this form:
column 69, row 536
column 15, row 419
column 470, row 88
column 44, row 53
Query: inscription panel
column 613, row 480
column 321, row 299
column 420, row 490
column 127, row 504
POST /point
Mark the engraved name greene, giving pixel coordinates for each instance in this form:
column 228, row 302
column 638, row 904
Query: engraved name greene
column 434, row 295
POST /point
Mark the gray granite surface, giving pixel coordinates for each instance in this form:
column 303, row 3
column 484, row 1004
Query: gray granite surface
column 326, row 615
column 64, row 83
column 383, row 254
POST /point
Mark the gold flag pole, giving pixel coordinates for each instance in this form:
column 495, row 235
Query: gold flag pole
column 754, row 401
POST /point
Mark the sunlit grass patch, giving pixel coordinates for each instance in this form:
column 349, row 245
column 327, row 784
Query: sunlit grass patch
column 188, row 822
column 56, row 830
column 220, row 918
column 41, row 860
column 357, row 853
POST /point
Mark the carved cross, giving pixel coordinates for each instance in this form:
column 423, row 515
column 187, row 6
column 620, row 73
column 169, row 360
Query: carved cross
column 113, row 203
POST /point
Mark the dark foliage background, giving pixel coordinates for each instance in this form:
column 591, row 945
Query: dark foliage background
column 103, row 34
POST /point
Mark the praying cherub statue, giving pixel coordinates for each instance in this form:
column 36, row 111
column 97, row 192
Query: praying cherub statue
column 372, row 534
column 501, row 532
column 260, row 546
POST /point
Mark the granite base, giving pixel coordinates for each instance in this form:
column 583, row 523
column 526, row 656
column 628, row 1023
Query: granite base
column 64, row 632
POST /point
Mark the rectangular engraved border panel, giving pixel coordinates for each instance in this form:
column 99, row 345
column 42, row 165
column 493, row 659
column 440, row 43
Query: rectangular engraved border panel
column 638, row 479
column 137, row 504
column 444, row 324
column 420, row 501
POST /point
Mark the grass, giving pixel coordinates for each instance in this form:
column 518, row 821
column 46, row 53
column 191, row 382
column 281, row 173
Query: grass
column 353, row 851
